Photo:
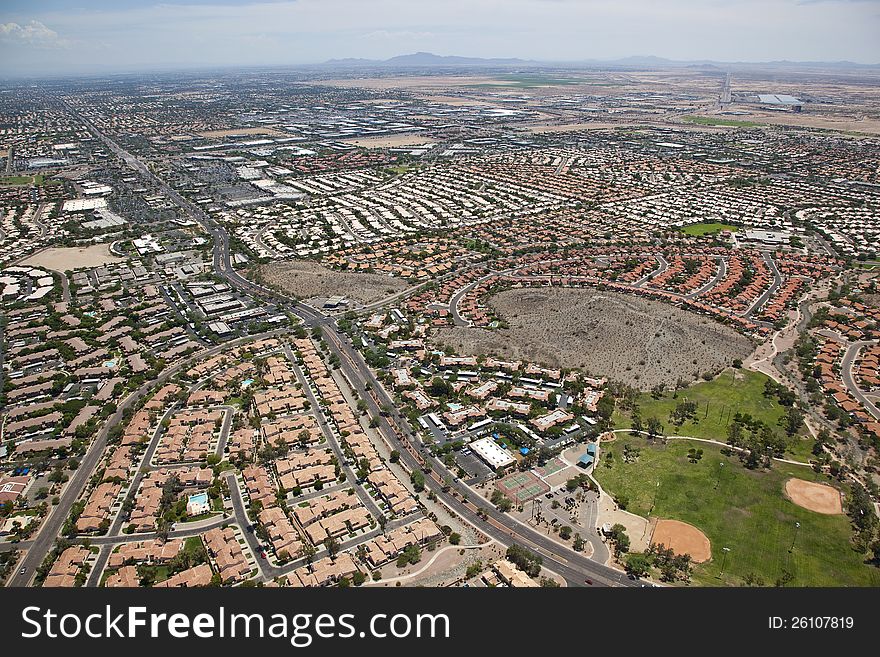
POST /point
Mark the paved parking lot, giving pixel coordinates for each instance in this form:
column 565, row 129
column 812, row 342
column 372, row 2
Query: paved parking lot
column 581, row 515
column 477, row 471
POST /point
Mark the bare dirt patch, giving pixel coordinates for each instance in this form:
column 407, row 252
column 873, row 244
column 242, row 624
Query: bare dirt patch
column 559, row 478
column 682, row 538
column 842, row 123
column 621, row 336
column 455, row 101
column 62, row 259
column 242, row 131
column 572, row 127
column 308, row 280
column 814, row 497
column 388, row 141
column 411, row 82
column 637, row 528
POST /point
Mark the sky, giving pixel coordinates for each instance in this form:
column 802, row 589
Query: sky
column 49, row 37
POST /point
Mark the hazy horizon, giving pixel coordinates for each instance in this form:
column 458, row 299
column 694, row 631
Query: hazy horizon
column 50, row 37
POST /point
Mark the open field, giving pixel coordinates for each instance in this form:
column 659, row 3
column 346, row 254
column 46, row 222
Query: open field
column 388, row 141
column 529, row 81
column 21, row 180
column 712, row 120
column 609, row 333
column 706, row 229
column 454, row 101
column 572, row 127
column 815, row 497
column 410, row 82
column 682, row 538
column 305, row 280
column 733, row 391
column 738, row 508
column 399, row 168
column 838, row 120
column 62, row 259
column 242, row 131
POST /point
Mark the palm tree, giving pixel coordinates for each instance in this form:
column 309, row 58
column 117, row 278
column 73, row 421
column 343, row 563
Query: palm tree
column 307, row 552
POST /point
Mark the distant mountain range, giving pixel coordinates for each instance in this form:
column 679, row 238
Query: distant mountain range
column 430, row 60
column 422, row 59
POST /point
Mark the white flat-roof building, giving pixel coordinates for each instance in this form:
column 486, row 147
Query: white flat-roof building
column 493, row 454
column 83, row 204
column 770, row 237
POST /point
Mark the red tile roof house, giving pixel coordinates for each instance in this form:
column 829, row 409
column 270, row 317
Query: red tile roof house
column 11, row 488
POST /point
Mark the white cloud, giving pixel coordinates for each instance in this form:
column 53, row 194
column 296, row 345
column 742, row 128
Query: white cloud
column 130, row 35
column 33, row 33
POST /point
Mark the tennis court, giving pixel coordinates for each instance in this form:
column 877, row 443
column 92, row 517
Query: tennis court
column 552, row 466
column 522, row 486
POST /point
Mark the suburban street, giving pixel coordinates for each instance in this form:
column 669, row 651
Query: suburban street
column 719, row 276
column 42, row 543
column 846, row 373
column 574, row 567
column 770, row 291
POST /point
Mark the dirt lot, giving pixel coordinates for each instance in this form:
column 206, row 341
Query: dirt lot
column 815, row 497
column 243, row 131
column 307, row 280
column 637, row 528
column 388, row 141
column 439, row 568
column 572, row 127
column 683, row 539
column 62, row 259
column 411, row 82
column 825, row 122
column 617, row 335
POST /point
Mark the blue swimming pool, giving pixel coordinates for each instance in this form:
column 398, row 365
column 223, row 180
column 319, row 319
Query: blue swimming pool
column 199, row 498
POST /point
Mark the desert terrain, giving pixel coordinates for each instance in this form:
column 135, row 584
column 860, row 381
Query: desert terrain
column 388, row 141
column 63, row 259
column 307, row 280
column 242, row 131
column 619, row 335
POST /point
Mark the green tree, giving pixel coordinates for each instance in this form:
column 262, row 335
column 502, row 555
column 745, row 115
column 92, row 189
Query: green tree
column 417, row 477
column 620, row 539
column 637, row 564
column 307, row 552
column 792, row 421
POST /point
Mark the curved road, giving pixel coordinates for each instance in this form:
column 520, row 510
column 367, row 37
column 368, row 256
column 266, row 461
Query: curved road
column 45, row 538
column 574, row 567
column 846, row 373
